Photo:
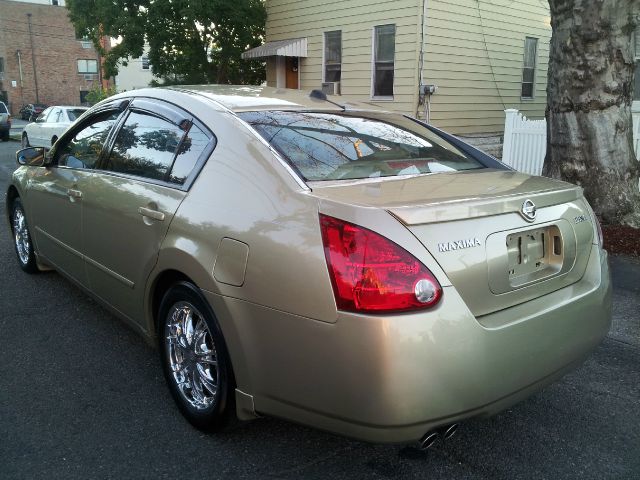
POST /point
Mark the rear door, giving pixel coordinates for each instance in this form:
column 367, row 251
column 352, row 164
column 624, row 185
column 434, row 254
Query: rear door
column 134, row 197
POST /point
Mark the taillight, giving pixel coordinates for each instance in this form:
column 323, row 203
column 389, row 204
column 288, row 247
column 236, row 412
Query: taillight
column 370, row 273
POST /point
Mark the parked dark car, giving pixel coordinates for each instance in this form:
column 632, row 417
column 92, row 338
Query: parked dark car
column 5, row 122
column 31, row 111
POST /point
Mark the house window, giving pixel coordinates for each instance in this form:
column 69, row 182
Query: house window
column 529, row 67
column 384, row 46
column 85, row 42
column 87, row 66
column 54, row 2
column 83, row 97
column 332, row 56
column 145, row 62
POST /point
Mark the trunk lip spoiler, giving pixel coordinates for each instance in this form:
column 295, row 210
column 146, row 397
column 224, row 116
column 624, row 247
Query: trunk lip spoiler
column 478, row 207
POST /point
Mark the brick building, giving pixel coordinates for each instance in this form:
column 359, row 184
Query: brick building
column 41, row 60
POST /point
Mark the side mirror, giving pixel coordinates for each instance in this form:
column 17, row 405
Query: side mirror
column 32, row 156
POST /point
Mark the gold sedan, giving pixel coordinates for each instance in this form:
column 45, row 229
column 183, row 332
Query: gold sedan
column 316, row 260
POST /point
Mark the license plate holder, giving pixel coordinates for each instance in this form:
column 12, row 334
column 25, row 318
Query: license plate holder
column 534, row 254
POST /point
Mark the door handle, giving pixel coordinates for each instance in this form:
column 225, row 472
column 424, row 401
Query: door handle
column 74, row 193
column 147, row 212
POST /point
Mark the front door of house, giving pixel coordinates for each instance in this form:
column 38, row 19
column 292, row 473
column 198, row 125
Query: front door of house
column 291, row 68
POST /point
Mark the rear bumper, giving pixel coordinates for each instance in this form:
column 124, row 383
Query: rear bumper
column 392, row 379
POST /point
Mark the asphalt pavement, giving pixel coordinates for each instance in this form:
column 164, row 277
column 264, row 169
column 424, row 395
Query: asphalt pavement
column 82, row 396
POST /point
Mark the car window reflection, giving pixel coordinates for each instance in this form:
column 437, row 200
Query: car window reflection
column 83, row 151
column 145, row 147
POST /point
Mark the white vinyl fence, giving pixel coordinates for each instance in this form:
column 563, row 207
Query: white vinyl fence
column 525, row 141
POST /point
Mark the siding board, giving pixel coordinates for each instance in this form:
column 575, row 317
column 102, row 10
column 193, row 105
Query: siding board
column 473, row 52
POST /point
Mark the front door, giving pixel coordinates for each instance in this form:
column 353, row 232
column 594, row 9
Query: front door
column 57, row 194
column 291, row 66
column 36, row 132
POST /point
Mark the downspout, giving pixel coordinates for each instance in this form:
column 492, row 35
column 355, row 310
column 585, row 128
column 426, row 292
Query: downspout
column 20, row 68
column 421, row 57
column 33, row 58
column 19, row 54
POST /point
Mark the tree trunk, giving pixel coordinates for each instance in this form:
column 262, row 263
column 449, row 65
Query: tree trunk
column 589, row 95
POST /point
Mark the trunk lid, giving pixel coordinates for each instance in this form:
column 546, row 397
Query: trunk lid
column 472, row 224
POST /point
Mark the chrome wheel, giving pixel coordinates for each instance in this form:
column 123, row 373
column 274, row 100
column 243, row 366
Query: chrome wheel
column 21, row 236
column 191, row 355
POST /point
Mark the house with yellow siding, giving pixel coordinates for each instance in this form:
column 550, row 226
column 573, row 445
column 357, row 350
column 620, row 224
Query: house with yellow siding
column 459, row 63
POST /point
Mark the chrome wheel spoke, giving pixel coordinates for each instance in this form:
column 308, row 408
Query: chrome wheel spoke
column 207, row 361
column 206, row 379
column 188, row 327
column 197, row 392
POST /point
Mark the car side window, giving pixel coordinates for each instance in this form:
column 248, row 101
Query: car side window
column 43, row 116
column 192, row 146
column 145, row 146
column 83, row 150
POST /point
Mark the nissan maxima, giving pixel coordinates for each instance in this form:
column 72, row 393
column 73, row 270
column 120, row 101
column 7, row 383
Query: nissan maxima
column 316, row 259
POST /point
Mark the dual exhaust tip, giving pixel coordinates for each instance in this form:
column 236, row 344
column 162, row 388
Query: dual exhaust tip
column 430, row 438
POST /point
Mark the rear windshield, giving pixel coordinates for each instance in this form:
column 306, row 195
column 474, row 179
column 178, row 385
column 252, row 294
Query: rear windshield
column 345, row 146
column 75, row 113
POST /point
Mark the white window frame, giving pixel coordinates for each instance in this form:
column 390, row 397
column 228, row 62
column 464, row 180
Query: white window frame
column 535, row 68
column 87, row 60
column 379, row 98
column 324, row 51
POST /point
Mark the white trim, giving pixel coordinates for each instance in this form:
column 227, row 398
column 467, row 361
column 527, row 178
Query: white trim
column 324, row 47
column 295, row 47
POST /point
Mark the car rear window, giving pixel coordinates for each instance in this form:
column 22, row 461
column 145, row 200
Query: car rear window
column 3, row 109
column 345, row 146
column 75, row 113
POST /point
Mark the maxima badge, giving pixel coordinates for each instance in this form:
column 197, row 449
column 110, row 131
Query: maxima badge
column 529, row 210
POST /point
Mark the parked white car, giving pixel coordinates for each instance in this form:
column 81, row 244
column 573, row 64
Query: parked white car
column 50, row 125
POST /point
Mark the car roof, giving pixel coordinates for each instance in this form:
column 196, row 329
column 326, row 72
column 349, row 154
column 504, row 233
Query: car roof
column 242, row 98
column 71, row 107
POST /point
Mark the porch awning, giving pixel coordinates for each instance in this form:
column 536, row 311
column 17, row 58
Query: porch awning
column 294, row 47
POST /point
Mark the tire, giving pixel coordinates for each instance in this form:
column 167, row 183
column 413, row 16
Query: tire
column 25, row 141
column 5, row 136
column 22, row 238
column 195, row 360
